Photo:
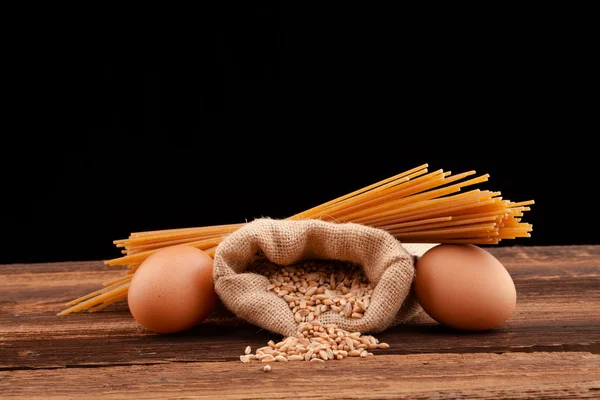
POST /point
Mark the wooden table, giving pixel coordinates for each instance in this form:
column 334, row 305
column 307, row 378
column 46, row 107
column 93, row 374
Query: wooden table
column 549, row 348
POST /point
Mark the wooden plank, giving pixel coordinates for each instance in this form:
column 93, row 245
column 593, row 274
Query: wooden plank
column 558, row 310
column 448, row 376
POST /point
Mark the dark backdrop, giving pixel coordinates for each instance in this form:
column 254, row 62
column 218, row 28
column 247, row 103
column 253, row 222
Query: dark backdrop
column 269, row 113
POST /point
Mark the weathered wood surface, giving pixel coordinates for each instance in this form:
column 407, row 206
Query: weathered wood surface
column 549, row 348
column 414, row 376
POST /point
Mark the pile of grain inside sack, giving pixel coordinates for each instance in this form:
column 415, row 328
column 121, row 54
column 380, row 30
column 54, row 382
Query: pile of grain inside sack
column 311, row 288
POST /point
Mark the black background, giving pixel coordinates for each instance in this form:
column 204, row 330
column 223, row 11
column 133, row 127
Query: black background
column 267, row 111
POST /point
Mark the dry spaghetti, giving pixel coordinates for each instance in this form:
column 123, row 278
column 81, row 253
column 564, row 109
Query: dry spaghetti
column 415, row 206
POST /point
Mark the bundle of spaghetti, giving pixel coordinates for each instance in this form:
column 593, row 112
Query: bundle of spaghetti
column 415, row 206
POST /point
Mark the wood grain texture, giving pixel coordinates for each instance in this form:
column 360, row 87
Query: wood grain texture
column 553, row 339
column 414, row 376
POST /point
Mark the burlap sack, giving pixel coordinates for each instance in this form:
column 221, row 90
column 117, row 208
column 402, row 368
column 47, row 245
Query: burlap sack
column 384, row 260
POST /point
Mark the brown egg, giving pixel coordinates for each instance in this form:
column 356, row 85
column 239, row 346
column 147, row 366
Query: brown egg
column 464, row 286
column 173, row 289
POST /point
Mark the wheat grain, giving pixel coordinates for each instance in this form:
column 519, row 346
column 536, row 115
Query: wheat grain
column 317, row 342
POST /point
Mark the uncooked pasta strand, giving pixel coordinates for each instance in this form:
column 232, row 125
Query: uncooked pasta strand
column 118, row 297
column 440, row 210
column 419, row 223
column 522, row 203
column 378, row 216
column 138, row 248
column 202, row 229
column 494, row 204
column 142, row 241
column 478, row 236
column 374, row 187
column 203, row 244
column 497, row 212
column 380, row 194
column 96, row 300
column 117, row 281
column 515, row 229
column 407, row 195
column 447, row 224
column 444, row 231
column 471, row 240
column 414, row 199
column 370, row 200
column 92, row 294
